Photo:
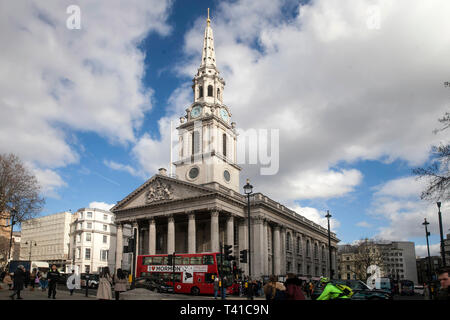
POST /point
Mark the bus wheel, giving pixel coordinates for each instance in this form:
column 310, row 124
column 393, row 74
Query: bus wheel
column 195, row 291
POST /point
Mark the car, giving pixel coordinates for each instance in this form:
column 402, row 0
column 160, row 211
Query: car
column 94, row 279
column 360, row 290
column 418, row 290
column 153, row 285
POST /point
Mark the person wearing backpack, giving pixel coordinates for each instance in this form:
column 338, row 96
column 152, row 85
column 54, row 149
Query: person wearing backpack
column 293, row 288
column 332, row 292
column 274, row 290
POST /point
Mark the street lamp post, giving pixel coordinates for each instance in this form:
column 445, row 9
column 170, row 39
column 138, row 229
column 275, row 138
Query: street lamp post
column 328, row 216
column 31, row 243
column 442, row 235
column 248, row 189
column 11, row 235
column 425, row 223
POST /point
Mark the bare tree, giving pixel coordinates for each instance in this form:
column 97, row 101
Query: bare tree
column 366, row 253
column 438, row 172
column 20, row 198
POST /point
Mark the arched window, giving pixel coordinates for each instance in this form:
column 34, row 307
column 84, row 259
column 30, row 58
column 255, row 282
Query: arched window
column 316, row 251
column 218, row 93
column 323, row 252
column 224, row 145
column 195, row 142
column 210, row 91
column 307, row 248
column 299, row 245
column 288, row 242
column 200, row 92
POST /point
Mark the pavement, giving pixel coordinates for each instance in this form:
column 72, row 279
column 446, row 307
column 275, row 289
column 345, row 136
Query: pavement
column 62, row 293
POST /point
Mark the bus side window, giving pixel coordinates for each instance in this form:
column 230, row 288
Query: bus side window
column 185, row 261
column 208, row 259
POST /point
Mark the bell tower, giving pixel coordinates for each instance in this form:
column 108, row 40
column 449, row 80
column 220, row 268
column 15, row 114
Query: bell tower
column 207, row 137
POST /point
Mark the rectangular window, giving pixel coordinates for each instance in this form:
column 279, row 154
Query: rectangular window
column 87, row 268
column 80, row 226
column 89, row 215
column 105, row 239
column 81, row 215
column 104, row 255
column 89, row 225
column 78, row 253
column 88, row 237
column 87, row 253
column 208, row 259
column 105, row 217
column 105, row 227
column 196, row 260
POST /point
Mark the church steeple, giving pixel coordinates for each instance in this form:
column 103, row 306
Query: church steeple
column 207, row 137
column 208, row 54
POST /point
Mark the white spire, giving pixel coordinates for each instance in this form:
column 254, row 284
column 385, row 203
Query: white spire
column 208, row 54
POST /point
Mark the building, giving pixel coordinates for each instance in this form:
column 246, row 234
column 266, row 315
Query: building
column 202, row 206
column 93, row 241
column 5, row 225
column 15, row 252
column 46, row 239
column 422, row 268
column 396, row 260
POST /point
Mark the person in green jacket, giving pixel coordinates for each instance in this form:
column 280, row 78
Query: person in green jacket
column 331, row 292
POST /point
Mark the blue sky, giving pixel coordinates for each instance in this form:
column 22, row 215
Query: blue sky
column 354, row 92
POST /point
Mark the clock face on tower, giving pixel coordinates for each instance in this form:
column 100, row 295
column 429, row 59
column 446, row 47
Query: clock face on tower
column 224, row 115
column 196, row 111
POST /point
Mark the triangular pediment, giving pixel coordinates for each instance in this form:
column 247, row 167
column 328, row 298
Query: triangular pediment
column 159, row 189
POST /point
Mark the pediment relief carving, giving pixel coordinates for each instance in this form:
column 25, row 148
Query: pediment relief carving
column 158, row 191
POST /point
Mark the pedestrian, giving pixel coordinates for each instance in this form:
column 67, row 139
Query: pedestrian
column 71, row 282
column 224, row 287
column 120, row 283
column 444, row 279
column 294, row 288
column 104, row 286
column 26, row 280
column 311, row 288
column 52, row 277
column 43, row 281
column 8, row 280
column 274, row 290
column 33, row 279
column 19, row 281
column 216, row 287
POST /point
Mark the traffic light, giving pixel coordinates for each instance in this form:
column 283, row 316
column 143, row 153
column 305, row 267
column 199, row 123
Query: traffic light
column 243, row 256
column 130, row 244
column 227, row 252
column 170, row 260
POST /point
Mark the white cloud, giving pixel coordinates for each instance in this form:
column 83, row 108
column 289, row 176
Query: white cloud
column 398, row 202
column 316, row 216
column 121, row 167
column 421, row 250
column 100, row 205
column 55, row 80
column 364, row 224
column 50, row 182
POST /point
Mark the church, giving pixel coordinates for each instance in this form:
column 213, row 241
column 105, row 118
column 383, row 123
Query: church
column 202, row 205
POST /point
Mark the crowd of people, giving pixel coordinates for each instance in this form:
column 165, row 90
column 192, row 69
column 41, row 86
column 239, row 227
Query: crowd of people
column 291, row 289
column 22, row 279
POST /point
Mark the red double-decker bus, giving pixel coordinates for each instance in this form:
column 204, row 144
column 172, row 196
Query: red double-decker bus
column 194, row 273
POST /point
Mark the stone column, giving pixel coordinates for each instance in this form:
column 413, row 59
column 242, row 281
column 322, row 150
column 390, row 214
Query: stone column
column 283, row 251
column 191, row 233
column 230, row 232
column 171, row 235
column 215, row 231
column 276, row 251
column 257, row 248
column 136, row 226
column 152, row 237
column 243, row 242
column 265, row 253
column 119, row 246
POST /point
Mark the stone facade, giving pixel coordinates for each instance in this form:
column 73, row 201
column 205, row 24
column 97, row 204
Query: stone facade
column 203, row 207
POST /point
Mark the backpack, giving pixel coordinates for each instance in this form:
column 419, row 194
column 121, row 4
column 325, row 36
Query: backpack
column 346, row 290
